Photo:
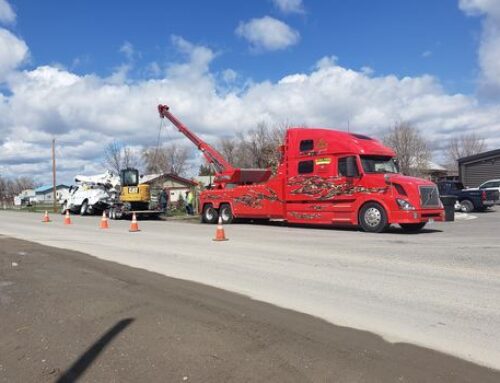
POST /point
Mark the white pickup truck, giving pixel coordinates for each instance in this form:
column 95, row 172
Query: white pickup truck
column 91, row 194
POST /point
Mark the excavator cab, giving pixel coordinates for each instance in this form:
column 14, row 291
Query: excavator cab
column 132, row 192
column 129, row 177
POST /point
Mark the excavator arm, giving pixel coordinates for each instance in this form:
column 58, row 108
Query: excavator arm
column 212, row 155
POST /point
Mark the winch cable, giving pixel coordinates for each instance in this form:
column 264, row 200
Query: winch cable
column 158, row 142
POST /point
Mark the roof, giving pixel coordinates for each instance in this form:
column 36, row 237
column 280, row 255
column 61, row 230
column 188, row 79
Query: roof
column 480, row 156
column 148, row 178
column 336, row 141
column 46, row 188
column 435, row 167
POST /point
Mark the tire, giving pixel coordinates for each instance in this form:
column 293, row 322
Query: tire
column 118, row 214
column 84, row 209
column 210, row 214
column 64, row 207
column 412, row 227
column 226, row 213
column 111, row 213
column 373, row 218
column 467, row 206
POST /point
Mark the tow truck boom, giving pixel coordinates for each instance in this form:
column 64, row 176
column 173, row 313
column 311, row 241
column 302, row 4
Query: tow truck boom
column 212, row 155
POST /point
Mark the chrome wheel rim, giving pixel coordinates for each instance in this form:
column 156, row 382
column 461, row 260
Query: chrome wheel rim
column 209, row 214
column 373, row 217
column 225, row 214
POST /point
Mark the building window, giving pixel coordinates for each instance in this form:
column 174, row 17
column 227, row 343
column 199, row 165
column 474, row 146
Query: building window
column 306, row 167
column 306, row 145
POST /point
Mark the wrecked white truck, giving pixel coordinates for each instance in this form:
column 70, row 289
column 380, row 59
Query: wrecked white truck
column 91, row 194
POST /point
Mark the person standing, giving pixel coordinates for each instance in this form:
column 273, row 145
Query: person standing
column 163, row 201
column 189, row 202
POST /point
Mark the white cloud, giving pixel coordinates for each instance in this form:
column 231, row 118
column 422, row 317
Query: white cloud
column 489, row 49
column 13, row 52
column 229, row 75
column 7, row 15
column 268, row 34
column 289, row 6
column 128, row 50
column 85, row 112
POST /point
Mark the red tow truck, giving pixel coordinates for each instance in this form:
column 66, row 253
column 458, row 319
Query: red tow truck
column 325, row 177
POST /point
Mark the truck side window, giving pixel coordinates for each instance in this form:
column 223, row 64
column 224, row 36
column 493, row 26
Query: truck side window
column 306, row 145
column 343, row 167
column 306, row 167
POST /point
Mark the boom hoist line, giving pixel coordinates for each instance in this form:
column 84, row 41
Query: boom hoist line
column 225, row 172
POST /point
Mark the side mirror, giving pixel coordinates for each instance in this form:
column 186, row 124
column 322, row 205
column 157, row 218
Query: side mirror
column 351, row 167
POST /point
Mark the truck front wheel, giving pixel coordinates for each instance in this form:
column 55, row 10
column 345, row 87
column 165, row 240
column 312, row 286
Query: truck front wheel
column 373, row 218
column 210, row 215
column 467, row 206
column 84, row 209
column 226, row 213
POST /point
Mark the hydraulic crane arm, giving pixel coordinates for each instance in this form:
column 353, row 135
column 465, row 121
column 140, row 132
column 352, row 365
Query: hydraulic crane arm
column 212, row 155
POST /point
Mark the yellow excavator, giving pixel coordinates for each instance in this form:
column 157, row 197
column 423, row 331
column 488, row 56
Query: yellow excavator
column 133, row 197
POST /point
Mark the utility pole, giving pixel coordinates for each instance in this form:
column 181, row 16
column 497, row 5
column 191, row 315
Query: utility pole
column 54, row 173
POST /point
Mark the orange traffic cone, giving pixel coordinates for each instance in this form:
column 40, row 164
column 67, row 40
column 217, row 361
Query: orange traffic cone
column 133, row 225
column 46, row 218
column 104, row 221
column 219, row 233
column 67, row 219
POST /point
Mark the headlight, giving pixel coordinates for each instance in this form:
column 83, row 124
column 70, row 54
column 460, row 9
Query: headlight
column 404, row 204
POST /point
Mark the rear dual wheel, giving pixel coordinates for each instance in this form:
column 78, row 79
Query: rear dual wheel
column 226, row 213
column 211, row 215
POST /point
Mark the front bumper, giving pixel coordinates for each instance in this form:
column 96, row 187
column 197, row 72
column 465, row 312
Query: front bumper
column 417, row 216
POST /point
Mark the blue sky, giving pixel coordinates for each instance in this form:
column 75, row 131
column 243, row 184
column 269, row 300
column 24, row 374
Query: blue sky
column 92, row 72
column 407, row 38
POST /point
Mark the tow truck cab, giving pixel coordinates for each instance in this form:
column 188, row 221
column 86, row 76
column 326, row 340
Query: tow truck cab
column 333, row 177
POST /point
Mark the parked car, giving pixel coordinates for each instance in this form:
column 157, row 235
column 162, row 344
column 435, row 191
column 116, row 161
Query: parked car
column 469, row 199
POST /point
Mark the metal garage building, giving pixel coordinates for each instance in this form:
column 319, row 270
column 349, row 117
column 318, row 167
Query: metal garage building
column 476, row 169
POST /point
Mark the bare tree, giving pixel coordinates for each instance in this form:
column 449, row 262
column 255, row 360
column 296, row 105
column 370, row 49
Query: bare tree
column 118, row 156
column 167, row 159
column 205, row 170
column 3, row 187
column 129, row 158
column 412, row 150
column 463, row 146
column 256, row 148
column 228, row 147
column 9, row 187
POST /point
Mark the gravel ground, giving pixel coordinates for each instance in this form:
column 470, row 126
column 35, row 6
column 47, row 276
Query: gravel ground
column 67, row 316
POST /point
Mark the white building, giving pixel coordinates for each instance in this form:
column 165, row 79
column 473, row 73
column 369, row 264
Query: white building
column 46, row 193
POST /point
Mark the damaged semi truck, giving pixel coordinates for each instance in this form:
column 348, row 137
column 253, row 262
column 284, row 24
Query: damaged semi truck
column 324, row 177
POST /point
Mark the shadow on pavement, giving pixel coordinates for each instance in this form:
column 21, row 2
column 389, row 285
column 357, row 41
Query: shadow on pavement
column 88, row 357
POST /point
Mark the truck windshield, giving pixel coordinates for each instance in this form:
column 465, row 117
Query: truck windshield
column 379, row 164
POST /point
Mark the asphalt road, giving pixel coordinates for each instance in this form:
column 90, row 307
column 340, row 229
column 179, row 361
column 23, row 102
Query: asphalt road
column 67, row 316
column 437, row 289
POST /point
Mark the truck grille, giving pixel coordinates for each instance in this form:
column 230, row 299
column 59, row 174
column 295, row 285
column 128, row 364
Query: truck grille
column 429, row 196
